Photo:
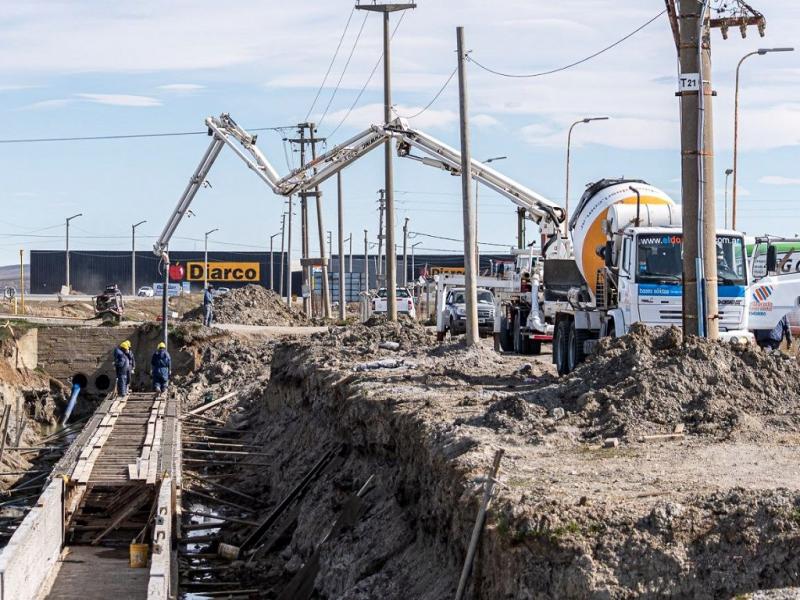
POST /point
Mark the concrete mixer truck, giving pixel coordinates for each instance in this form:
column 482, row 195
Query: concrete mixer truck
column 627, row 268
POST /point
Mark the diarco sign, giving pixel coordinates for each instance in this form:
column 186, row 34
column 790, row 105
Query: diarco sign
column 224, row 271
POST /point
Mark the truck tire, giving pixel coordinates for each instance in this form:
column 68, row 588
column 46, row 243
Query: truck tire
column 560, row 351
column 506, row 343
column 575, row 354
column 535, row 347
column 522, row 344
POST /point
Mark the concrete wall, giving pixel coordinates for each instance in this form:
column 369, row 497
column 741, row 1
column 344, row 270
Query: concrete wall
column 67, row 351
column 161, row 573
column 29, row 561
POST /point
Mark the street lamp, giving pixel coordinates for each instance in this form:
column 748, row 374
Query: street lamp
column 727, row 174
column 477, row 246
column 67, row 248
column 413, row 262
column 569, row 142
column 205, row 270
column 759, row 52
column 271, row 271
column 133, row 256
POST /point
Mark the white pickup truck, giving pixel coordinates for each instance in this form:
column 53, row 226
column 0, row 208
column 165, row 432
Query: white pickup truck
column 405, row 303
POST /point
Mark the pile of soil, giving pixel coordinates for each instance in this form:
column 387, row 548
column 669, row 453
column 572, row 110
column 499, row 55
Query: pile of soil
column 651, row 380
column 251, row 305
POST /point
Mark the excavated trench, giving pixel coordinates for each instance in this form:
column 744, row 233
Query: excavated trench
column 569, row 520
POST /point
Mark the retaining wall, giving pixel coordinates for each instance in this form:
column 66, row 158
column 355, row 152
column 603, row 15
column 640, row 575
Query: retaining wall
column 29, row 561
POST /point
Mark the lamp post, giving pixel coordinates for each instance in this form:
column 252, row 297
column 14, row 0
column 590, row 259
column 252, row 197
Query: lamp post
column 133, row 256
column 727, row 174
column 67, row 247
column 477, row 247
column 759, row 52
column 569, row 143
column 205, row 264
column 271, row 261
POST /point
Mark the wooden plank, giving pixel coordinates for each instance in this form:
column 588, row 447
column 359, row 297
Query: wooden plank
column 205, row 407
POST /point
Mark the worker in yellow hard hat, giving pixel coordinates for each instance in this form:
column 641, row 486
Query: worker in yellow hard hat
column 124, row 364
column 161, row 364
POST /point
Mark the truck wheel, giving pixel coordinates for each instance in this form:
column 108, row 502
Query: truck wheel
column 575, row 354
column 506, row 343
column 535, row 347
column 560, row 351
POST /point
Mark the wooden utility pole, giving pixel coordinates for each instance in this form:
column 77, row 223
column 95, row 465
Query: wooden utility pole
column 325, row 283
column 391, row 258
column 405, row 253
column 342, row 296
column 700, row 306
column 305, row 268
column 470, row 266
column 289, row 255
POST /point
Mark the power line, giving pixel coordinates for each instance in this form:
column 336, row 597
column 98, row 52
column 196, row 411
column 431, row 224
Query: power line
column 123, row 137
column 330, row 66
column 569, row 66
column 366, row 83
column 434, row 99
column 413, row 234
column 344, row 69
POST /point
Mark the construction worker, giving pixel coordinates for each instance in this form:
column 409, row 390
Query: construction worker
column 208, row 305
column 124, row 364
column 771, row 339
column 161, row 364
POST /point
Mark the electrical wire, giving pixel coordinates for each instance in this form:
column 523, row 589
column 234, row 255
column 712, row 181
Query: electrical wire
column 122, row 137
column 434, row 99
column 330, row 66
column 344, row 69
column 366, row 83
column 569, row 66
column 413, row 234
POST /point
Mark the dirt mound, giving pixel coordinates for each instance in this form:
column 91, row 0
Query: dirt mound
column 251, row 305
column 650, row 380
column 378, row 333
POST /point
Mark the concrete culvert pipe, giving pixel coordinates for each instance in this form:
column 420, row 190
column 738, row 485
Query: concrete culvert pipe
column 102, row 382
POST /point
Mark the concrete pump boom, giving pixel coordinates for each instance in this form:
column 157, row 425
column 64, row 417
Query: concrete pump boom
column 224, row 130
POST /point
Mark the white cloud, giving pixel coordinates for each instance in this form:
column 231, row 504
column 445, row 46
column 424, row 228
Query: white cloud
column 181, row 87
column 48, row 104
column 626, row 132
column 363, row 116
column 484, row 121
column 779, row 180
column 121, row 99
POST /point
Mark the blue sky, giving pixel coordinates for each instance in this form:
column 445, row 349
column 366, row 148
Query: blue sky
column 89, row 67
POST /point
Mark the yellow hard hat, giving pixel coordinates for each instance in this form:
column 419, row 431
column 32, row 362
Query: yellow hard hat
column 161, row 345
column 126, row 345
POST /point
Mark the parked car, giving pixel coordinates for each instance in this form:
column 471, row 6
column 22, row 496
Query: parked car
column 145, row 292
column 456, row 309
column 405, row 303
column 221, row 291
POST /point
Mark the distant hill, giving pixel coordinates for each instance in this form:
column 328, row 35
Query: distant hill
column 9, row 276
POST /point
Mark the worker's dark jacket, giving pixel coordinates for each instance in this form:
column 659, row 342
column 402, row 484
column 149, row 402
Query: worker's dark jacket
column 208, row 298
column 123, row 361
column 161, row 363
column 776, row 334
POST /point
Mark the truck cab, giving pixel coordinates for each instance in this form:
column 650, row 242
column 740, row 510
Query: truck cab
column 650, row 279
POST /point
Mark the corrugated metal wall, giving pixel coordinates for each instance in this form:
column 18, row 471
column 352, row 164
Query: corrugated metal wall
column 91, row 271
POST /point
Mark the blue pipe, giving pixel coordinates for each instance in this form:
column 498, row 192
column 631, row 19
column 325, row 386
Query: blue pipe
column 76, row 389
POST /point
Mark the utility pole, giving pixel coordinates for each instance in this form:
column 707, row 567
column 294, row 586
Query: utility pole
column 405, row 253
column 205, row 269
column 305, row 268
column 413, row 263
column 289, row 256
column 283, row 231
column 700, row 304
column 381, row 208
column 340, row 238
column 272, row 260
column 22, row 280
column 391, row 259
column 350, row 254
column 520, row 228
column 472, row 336
column 366, row 262
column 69, row 289
column 326, row 290
column 133, row 256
